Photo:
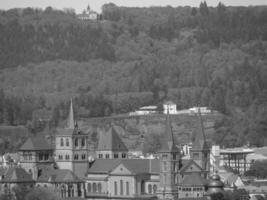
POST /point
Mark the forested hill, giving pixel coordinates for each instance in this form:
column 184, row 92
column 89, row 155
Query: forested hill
column 215, row 57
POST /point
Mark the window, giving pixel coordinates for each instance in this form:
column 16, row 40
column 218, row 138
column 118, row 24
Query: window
column 67, row 142
column 83, row 142
column 100, row 156
column 127, row 188
column 99, row 187
column 115, row 188
column 165, row 156
column 123, row 155
column 76, row 142
column 83, row 156
column 149, row 189
column 30, row 156
column 40, row 156
column 60, row 157
column 67, row 157
column 61, row 142
column 116, row 155
column 46, row 156
column 121, row 187
column 94, row 187
column 76, row 157
column 154, row 189
column 89, row 187
column 164, row 166
column 174, row 156
column 107, row 155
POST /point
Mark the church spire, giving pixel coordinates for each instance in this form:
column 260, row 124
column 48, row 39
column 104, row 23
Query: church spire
column 168, row 143
column 71, row 123
column 200, row 138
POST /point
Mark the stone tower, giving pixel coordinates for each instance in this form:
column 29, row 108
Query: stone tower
column 72, row 147
column 200, row 151
column 169, row 165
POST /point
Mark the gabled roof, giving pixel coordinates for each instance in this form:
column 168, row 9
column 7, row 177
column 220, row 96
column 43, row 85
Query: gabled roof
column 193, row 179
column 35, row 144
column 17, row 175
column 199, row 140
column 187, row 164
column 168, row 144
column 109, row 140
column 136, row 166
column 59, row 175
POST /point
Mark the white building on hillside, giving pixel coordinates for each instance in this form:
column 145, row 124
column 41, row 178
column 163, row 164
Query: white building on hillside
column 170, row 107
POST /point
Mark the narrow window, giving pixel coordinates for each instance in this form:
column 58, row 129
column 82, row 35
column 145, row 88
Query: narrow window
column 99, row 187
column 94, row 187
column 83, row 142
column 67, row 142
column 149, row 189
column 115, row 188
column 127, row 188
column 61, row 142
column 121, row 187
column 154, row 189
column 89, row 187
column 76, row 142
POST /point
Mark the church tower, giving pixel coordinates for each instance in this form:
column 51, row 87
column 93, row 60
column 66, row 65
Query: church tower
column 200, row 151
column 72, row 147
column 169, row 165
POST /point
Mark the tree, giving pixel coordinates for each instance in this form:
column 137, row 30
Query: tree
column 41, row 194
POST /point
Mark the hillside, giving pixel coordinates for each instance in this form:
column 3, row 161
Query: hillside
column 145, row 132
column 214, row 57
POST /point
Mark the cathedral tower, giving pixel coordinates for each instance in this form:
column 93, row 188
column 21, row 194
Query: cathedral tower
column 72, row 147
column 169, row 165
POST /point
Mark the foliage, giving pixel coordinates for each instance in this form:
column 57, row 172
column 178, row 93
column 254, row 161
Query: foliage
column 258, row 169
column 41, row 194
column 213, row 57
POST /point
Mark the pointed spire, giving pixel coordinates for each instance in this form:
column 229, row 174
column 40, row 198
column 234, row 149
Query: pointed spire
column 168, row 143
column 200, row 138
column 71, row 117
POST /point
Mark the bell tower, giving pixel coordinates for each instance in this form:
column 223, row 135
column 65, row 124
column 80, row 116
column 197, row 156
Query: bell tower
column 169, row 165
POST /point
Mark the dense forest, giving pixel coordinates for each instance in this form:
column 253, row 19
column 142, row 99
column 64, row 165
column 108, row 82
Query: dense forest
column 132, row 57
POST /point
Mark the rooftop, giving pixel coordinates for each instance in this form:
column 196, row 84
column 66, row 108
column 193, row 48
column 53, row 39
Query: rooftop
column 35, row 144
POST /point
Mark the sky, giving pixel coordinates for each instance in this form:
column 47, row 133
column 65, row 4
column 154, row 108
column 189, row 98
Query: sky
column 80, row 5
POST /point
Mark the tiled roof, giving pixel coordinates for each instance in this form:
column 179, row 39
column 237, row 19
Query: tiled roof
column 168, row 141
column 136, row 166
column 17, row 175
column 109, row 140
column 36, row 143
column 193, row 179
column 187, row 163
column 58, row 175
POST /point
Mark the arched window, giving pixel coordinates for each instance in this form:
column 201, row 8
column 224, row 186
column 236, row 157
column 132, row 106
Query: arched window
column 83, row 142
column 127, row 188
column 61, row 142
column 67, row 157
column 99, row 187
column 76, row 142
column 89, row 187
column 121, row 187
column 154, row 189
column 115, row 188
column 67, row 142
column 149, row 189
column 94, row 187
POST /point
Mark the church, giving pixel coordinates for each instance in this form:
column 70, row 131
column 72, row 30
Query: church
column 65, row 168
